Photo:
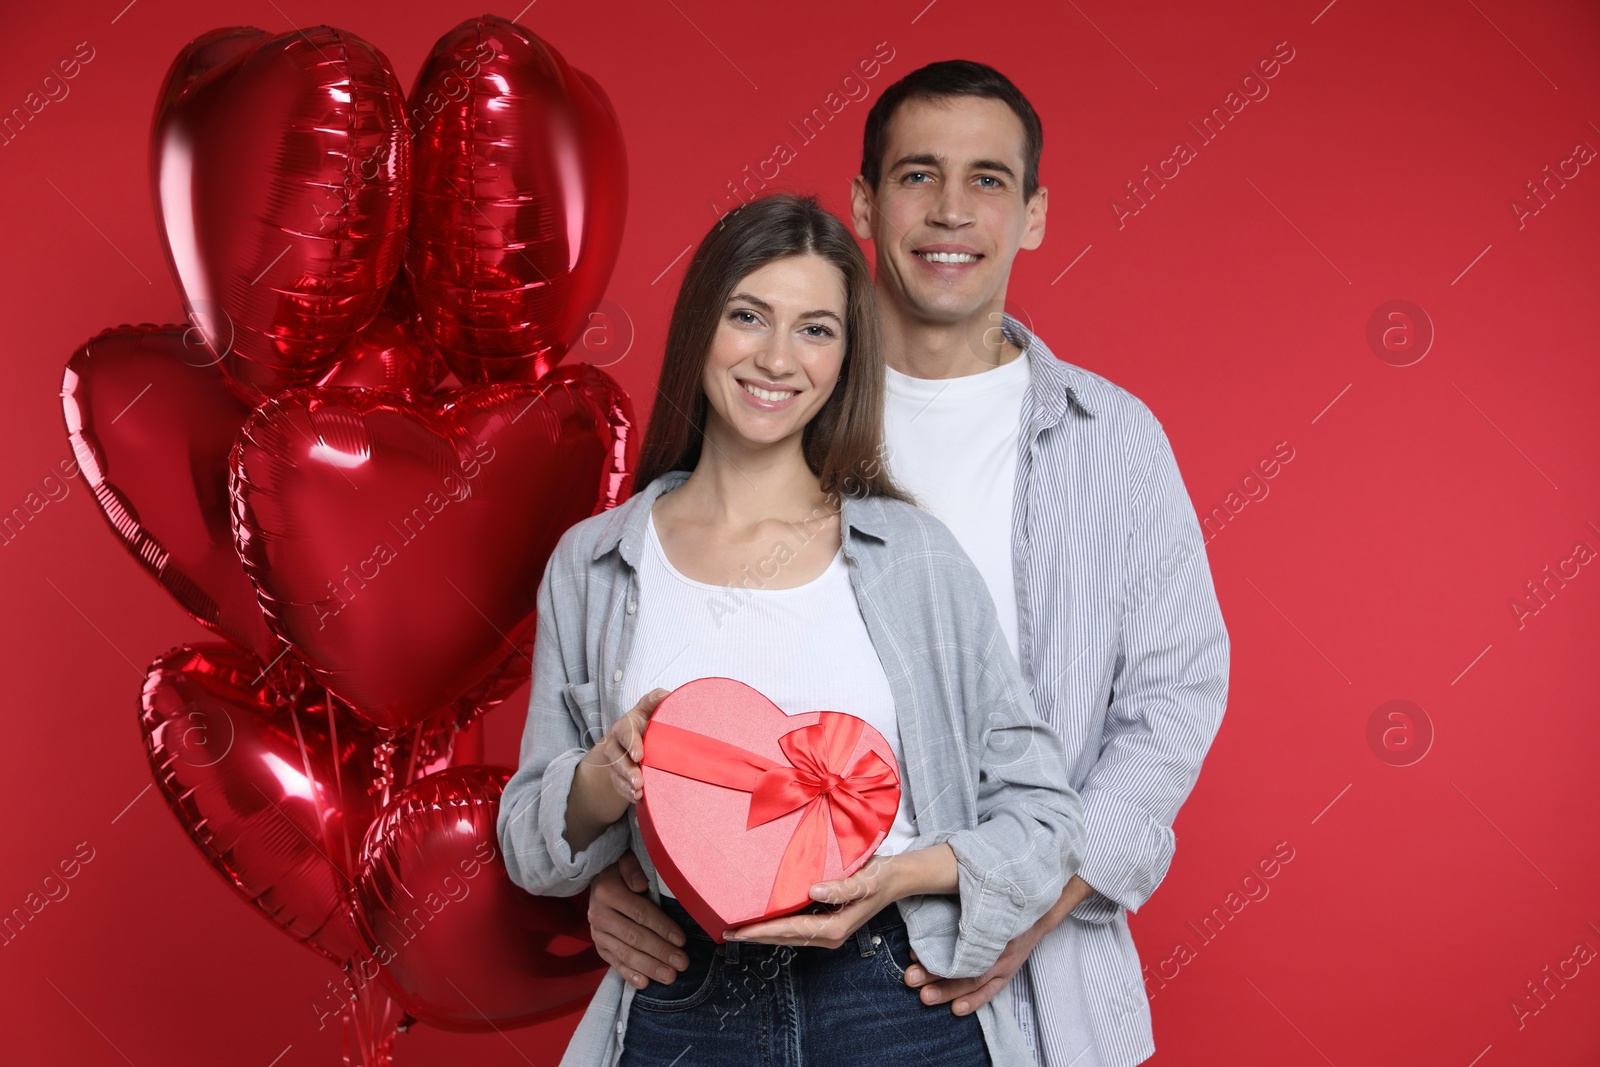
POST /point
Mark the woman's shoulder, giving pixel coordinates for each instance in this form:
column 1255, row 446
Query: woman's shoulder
column 580, row 544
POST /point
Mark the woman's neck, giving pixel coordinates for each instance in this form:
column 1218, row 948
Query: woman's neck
column 740, row 485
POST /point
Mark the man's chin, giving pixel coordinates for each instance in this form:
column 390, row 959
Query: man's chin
column 945, row 309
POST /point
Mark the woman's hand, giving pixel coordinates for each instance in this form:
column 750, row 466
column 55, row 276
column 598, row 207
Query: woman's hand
column 881, row 882
column 608, row 778
column 620, row 750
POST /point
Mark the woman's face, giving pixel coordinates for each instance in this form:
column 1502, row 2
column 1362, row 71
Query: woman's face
column 776, row 354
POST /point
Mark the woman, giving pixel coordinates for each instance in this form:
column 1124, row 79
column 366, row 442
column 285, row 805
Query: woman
column 766, row 543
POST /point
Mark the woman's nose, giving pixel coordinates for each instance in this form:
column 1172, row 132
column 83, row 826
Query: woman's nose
column 777, row 357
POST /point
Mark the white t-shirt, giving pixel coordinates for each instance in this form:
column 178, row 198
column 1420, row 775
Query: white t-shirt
column 952, row 443
column 805, row 648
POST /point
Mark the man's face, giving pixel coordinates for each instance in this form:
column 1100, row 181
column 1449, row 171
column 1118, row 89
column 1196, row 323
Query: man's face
column 948, row 215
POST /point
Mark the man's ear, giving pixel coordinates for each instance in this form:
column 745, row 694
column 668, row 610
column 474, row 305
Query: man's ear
column 1033, row 236
column 861, row 208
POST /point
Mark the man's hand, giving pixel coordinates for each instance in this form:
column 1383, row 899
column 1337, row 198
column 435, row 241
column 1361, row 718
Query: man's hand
column 630, row 932
column 970, row 994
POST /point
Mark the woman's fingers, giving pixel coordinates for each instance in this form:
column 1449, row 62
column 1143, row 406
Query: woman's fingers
column 637, row 718
column 840, row 890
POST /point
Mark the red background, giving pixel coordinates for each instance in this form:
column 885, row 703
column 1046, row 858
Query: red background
column 1381, row 565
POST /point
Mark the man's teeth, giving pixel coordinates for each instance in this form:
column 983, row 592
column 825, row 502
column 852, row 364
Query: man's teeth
column 768, row 394
column 948, row 257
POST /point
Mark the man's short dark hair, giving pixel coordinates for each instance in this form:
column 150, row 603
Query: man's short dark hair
column 942, row 80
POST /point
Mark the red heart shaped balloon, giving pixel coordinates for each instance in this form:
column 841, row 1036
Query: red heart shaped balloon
column 398, row 547
column 280, row 169
column 521, row 188
column 459, row 944
column 151, row 424
column 389, row 353
column 274, row 787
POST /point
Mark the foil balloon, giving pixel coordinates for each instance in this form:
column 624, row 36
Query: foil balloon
column 274, row 784
column 280, row 169
column 151, row 423
column 617, row 413
column 459, row 945
column 389, row 353
column 398, row 547
column 521, row 188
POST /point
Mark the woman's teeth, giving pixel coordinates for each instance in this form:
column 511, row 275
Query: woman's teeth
column 948, row 257
column 768, row 394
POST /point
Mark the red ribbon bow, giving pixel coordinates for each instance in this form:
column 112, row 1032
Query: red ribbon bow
column 857, row 801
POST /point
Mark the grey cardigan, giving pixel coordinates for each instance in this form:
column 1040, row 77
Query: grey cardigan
column 983, row 772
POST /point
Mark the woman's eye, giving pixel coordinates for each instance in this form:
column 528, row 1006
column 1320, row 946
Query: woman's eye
column 818, row 330
column 740, row 315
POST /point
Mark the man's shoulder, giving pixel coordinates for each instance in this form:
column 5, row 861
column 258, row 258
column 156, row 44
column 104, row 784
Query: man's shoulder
column 1099, row 395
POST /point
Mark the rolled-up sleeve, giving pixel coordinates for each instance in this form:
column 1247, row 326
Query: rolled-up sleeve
column 563, row 722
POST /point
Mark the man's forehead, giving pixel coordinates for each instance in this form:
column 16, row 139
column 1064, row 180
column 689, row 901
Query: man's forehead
column 954, row 131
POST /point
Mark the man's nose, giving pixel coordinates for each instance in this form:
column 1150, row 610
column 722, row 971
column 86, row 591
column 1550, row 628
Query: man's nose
column 952, row 207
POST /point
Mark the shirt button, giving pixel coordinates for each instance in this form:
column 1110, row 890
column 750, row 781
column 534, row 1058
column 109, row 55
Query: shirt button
column 633, row 606
column 616, row 676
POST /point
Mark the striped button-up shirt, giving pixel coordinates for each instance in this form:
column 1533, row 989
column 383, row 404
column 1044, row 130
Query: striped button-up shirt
column 1124, row 650
column 981, row 770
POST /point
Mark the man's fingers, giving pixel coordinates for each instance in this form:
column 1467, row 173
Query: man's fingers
column 979, row 997
column 626, row 930
column 650, row 919
column 633, row 963
column 633, row 872
column 946, row 989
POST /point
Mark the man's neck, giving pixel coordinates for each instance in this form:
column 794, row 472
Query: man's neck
column 937, row 350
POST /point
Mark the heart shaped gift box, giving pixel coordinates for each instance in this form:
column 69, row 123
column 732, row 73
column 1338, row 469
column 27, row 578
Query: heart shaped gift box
column 746, row 808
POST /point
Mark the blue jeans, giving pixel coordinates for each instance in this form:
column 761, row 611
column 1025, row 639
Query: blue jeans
column 757, row 1005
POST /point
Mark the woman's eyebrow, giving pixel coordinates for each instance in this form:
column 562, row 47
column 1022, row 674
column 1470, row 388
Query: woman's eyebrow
column 749, row 298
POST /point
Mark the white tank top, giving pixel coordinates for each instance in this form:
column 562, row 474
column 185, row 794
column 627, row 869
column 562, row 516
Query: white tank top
column 805, row 648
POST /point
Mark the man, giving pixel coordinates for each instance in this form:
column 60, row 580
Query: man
column 1063, row 488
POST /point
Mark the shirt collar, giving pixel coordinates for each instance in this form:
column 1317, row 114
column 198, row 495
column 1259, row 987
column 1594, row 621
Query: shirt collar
column 626, row 524
column 1059, row 387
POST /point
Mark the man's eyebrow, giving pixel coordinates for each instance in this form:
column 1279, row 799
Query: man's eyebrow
column 929, row 159
column 750, row 298
column 994, row 165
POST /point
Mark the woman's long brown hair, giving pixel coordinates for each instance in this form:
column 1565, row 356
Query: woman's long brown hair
column 842, row 443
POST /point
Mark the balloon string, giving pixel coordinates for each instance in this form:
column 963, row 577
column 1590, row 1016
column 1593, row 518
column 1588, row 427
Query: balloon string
column 416, row 748
column 317, row 800
column 338, row 779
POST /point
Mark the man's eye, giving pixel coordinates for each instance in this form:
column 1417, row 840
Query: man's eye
column 914, row 175
column 990, row 178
